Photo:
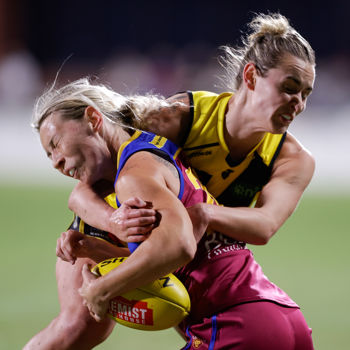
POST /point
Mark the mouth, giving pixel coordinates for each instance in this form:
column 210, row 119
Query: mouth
column 286, row 118
column 72, row 172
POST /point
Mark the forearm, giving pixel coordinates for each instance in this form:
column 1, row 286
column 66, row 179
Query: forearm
column 99, row 250
column 163, row 252
column 250, row 225
column 91, row 207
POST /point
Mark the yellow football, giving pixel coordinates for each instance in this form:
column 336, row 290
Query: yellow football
column 158, row 305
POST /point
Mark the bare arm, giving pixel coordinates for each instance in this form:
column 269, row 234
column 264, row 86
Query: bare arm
column 130, row 223
column 88, row 203
column 74, row 244
column 292, row 173
column 172, row 122
column 171, row 244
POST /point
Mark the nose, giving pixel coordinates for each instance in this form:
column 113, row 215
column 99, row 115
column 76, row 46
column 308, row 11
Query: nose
column 57, row 160
column 298, row 103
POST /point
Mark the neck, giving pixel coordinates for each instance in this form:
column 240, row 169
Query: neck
column 115, row 137
column 243, row 129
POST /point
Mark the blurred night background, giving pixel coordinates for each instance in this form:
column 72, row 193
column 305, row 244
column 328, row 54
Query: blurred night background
column 165, row 47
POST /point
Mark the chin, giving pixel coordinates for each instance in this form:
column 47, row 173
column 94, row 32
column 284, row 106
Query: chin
column 278, row 129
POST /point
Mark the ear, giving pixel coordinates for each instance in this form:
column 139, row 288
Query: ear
column 94, row 118
column 249, row 75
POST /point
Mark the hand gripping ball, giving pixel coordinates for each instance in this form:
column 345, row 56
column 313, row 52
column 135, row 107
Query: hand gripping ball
column 158, row 305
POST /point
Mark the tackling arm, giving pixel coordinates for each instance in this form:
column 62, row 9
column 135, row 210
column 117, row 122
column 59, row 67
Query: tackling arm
column 292, row 173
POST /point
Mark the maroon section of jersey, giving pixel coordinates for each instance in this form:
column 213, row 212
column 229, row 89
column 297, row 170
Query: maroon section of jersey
column 223, row 273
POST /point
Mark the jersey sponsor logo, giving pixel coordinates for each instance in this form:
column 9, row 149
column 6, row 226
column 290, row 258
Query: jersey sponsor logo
column 218, row 244
column 198, row 154
column 243, row 190
column 112, row 261
column 133, row 311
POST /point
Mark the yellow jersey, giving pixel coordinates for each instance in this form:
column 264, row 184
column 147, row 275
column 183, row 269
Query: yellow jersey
column 232, row 184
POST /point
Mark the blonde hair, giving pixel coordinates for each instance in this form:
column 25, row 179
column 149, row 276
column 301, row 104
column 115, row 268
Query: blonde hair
column 270, row 38
column 71, row 100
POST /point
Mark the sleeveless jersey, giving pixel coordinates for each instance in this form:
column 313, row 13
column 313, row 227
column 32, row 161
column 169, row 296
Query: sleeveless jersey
column 232, row 183
column 223, row 272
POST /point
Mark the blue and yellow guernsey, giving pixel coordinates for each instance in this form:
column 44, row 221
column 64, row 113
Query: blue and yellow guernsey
column 231, row 183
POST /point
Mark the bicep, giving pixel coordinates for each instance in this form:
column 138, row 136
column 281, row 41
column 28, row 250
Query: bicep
column 280, row 196
column 152, row 181
column 173, row 121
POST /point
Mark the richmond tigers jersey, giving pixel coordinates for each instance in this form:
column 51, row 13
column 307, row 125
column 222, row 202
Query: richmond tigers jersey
column 232, row 184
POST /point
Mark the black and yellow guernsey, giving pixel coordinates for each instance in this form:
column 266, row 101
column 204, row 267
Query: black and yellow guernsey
column 232, row 184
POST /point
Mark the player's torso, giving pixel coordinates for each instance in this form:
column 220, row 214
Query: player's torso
column 231, row 183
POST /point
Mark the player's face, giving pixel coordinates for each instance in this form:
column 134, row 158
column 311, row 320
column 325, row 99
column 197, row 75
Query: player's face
column 282, row 94
column 74, row 148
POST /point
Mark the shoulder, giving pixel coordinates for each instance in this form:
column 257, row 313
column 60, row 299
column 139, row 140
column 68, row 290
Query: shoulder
column 143, row 166
column 293, row 148
column 295, row 159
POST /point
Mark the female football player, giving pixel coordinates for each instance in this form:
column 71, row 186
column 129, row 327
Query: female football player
column 237, row 143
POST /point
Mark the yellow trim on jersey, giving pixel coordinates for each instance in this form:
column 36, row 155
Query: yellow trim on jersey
column 208, row 152
column 135, row 135
column 111, row 200
column 158, row 141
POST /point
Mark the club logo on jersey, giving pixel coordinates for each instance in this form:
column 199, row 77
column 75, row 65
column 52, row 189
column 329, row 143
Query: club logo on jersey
column 158, row 141
column 133, row 311
column 196, row 343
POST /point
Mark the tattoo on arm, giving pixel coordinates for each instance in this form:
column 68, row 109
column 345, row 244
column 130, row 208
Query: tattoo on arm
column 168, row 164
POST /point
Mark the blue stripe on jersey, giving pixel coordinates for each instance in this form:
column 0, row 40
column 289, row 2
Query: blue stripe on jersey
column 189, row 344
column 213, row 333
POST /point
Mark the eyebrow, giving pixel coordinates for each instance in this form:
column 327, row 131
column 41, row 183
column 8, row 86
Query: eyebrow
column 297, row 81
column 50, row 145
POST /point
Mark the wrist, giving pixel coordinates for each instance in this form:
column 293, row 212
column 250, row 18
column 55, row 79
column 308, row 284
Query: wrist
column 208, row 214
column 98, row 291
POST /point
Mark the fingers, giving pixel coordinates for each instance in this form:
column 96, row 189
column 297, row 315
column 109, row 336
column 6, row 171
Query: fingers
column 131, row 222
column 137, row 202
column 96, row 316
column 139, row 221
column 124, row 214
column 68, row 245
column 63, row 250
column 87, row 274
column 96, row 309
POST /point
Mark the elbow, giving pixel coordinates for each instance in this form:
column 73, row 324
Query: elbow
column 262, row 239
column 266, row 232
column 188, row 250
